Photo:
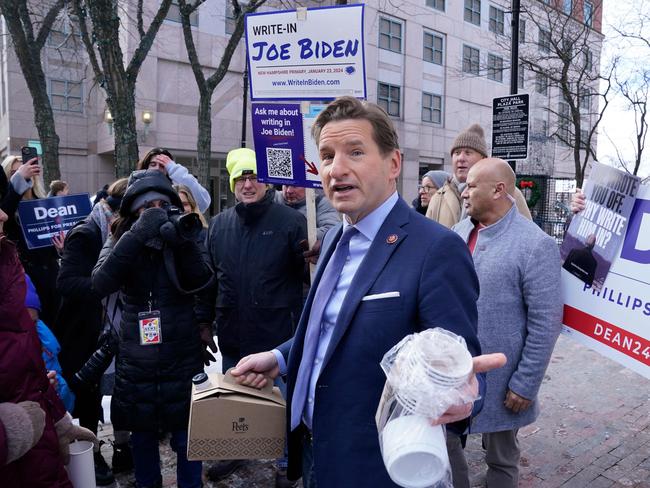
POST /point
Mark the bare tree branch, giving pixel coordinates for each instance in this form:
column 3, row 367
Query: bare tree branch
column 48, row 21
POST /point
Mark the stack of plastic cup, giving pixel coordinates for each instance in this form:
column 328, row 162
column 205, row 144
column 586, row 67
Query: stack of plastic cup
column 426, row 367
column 425, row 376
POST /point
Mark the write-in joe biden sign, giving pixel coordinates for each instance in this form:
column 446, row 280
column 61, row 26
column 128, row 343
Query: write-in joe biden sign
column 42, row 219
column 306, row 54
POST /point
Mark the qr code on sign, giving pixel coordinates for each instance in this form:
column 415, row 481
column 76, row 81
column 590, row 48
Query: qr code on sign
column 279, row 163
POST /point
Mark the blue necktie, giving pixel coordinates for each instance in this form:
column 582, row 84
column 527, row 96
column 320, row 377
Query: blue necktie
column 323, row 294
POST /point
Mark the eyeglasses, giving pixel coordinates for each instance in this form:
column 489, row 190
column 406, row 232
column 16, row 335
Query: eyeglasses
column 245, row 178
column 426, row 188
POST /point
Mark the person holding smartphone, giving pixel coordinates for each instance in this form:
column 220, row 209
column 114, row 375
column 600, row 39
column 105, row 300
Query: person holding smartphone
column 26, row 183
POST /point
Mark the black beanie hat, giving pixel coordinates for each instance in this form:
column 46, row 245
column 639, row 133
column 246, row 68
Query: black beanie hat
column 144, row 181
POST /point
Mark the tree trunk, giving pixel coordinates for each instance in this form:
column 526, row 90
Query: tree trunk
column 204, row 142
column 44, row 121
column 28, row 52
column 124, row 127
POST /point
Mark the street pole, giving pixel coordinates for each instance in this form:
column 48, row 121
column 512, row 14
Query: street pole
column 514, row 57
column 243, row 108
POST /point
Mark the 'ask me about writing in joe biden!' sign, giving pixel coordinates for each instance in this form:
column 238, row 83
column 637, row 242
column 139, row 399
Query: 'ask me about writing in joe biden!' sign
column 286, row 153
column 595, row 234
column 306, row 54
column 42, row 219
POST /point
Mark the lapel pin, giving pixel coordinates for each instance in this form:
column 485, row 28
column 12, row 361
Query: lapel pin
column 392, row 239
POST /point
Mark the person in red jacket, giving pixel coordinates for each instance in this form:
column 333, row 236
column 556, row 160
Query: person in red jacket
column 23, row 378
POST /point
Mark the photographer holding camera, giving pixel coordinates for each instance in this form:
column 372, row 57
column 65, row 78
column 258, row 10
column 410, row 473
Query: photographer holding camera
column 154, row 259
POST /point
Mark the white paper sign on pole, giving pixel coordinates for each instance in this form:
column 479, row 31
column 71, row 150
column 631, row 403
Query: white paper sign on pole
column 311, row 54
column 615, row 320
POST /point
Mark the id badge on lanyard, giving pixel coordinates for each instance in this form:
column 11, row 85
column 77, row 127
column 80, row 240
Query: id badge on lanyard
column 150, row 327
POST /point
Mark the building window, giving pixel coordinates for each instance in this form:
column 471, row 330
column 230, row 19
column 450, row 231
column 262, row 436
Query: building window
column 495, row 68
column 66, row 96
column 542, row 126
column 567, row 6
column 174, row 14
column 388, row 98
column 65, row 34
column 497, row 23
column 522, row 32
column 584, row 139
column 563, row 121
column 588, row 13
column 473, row 11
column 471, row 58
column 231, row 20
column 588, row 58
column 431, row 108
column 521, row 76
column 390, row 34
column 544, row 41
column 541, row 83
column 433, row 47
column 437, row 4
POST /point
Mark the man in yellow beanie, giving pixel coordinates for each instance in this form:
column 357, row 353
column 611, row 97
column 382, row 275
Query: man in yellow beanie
column 255, row 249
column 469, row 147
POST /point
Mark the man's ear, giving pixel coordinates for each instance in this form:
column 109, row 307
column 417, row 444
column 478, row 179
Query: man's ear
column 500, row 189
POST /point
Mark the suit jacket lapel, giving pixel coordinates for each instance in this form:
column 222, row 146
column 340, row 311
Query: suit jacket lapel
column 372, row 265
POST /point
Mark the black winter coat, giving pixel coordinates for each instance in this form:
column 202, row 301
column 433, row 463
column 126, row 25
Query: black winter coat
column 257, row 259
column 153, row 382
column 79, row 321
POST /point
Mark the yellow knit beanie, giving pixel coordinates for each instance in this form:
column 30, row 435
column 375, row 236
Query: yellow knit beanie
column 238, row 161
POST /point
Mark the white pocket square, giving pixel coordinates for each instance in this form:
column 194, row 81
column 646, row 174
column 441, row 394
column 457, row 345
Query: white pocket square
column 379, row 296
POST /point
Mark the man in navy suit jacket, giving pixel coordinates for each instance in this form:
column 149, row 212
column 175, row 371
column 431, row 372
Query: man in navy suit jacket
column 403, row 273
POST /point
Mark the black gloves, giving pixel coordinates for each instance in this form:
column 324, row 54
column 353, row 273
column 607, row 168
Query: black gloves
column 148, row 224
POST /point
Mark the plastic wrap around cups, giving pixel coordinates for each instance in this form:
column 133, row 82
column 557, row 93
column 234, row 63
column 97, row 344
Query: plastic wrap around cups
column 426, row 374
column 430, row 371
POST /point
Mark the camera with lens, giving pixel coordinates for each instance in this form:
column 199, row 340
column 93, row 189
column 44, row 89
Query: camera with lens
column 188, row 225
column 91, row 373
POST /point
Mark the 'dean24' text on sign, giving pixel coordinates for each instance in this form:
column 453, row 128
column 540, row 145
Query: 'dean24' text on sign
column 309, row 54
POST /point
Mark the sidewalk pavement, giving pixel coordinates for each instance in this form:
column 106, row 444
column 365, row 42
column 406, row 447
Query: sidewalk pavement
column 594, row 431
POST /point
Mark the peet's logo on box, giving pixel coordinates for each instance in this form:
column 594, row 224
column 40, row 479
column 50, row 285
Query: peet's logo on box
column 240, row 425
column 636, row 246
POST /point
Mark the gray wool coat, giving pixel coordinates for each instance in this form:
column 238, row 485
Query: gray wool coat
column 519, row 312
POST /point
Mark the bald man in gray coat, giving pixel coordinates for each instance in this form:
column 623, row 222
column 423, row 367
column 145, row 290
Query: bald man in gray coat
column 519, row 310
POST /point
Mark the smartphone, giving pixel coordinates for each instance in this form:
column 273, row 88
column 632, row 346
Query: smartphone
column 29, row 152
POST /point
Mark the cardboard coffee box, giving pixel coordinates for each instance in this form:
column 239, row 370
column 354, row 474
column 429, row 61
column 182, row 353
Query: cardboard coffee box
column 231, row 421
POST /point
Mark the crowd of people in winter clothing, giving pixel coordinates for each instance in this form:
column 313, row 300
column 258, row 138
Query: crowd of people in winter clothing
column 128, row 303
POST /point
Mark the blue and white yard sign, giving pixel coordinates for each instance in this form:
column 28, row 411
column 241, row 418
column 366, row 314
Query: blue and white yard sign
column 306, row 54
column 42, row 219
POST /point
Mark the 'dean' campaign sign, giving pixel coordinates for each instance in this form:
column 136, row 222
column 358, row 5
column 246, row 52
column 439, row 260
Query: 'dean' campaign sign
column 42, row 219
column 615, row 319
column 285, row 152
column 306, row 54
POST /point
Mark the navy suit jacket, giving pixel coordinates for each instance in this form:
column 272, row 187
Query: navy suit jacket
column 432, row 270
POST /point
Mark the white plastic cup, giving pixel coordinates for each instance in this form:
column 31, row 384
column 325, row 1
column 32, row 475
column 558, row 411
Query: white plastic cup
column 81, row 469
column 414, row 451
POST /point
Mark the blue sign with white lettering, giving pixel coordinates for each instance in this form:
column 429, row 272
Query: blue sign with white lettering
column 42, row 219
